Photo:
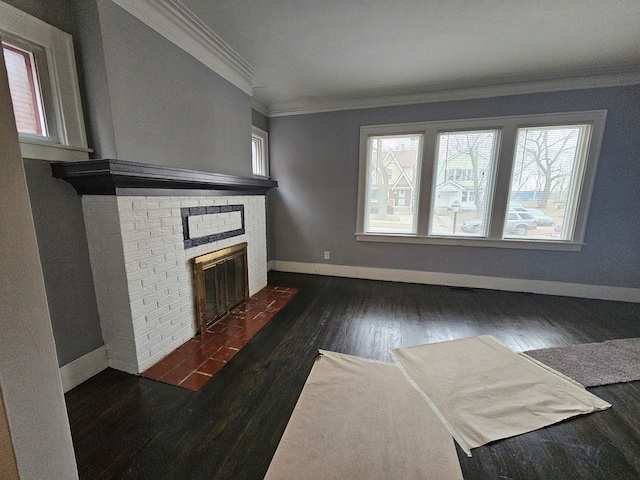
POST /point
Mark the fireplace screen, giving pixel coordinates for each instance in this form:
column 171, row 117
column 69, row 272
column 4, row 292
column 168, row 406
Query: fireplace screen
column 221, row 283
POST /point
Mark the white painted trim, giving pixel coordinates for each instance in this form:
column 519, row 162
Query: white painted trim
column 259, row 105
column 541, row 244
column 261, row 166
column 453, row 93
column 600, row 292
column 83, row 368
column 174, row 21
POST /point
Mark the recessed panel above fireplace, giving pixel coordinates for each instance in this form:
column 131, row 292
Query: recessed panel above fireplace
column 202, row 225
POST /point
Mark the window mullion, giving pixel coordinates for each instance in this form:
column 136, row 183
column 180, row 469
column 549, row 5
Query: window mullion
column 506, row 150
column 425, row 186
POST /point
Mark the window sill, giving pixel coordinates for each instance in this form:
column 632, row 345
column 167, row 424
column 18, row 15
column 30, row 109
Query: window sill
column 55, row 152
column 562, row 246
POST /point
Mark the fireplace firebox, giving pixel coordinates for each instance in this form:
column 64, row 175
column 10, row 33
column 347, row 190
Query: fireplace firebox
column 221, row 283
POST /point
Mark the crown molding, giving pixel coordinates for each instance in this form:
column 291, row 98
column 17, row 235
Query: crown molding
column 261, row 100
column 174, row 21
column 459, row 91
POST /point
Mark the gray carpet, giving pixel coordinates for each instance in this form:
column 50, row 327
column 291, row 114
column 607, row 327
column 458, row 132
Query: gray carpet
column 593, row 364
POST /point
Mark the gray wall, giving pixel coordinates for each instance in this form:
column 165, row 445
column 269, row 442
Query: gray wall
column 64, row 255
column 92, row 76
column 59, row 13
column 314, row 159
column 168, row 108
column 259, row 120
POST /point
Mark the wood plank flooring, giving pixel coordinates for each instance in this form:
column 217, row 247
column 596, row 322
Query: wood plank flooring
column 129, row 427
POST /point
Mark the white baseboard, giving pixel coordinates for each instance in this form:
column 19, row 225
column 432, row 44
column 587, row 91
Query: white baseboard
column 544, row 287
column 74, row 373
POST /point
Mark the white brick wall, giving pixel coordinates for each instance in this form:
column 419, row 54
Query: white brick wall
column 210, row 224
column 143, row 273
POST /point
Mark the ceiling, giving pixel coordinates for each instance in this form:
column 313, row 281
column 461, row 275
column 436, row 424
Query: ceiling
column 314, row 55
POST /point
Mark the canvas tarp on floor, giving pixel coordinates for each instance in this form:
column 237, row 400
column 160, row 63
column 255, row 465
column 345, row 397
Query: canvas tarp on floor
column 483, row 391
column 360, row 419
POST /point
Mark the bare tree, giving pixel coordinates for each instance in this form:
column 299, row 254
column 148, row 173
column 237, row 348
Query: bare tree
column 549, row 153
column 479, row 149
column 382, row 179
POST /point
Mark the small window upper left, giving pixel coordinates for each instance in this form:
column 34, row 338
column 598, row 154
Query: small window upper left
column 44, row 87
column 26, row 90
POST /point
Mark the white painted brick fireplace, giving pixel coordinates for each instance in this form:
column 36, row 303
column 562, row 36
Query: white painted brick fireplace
column 144, row 224
column 142, row 271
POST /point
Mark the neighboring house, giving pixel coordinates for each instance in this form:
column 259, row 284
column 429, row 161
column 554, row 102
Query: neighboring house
column 459, row 182
column 400, row 172
column 451, row 191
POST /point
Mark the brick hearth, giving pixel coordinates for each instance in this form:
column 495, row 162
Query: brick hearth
column 195, row 362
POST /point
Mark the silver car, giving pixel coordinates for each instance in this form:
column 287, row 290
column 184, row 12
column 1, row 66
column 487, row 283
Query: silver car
column 542, row 219
column 518, row 223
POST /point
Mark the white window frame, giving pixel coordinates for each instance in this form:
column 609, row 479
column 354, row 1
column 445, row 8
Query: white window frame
column 68, row 141
column 260, row 164
column 508, row 127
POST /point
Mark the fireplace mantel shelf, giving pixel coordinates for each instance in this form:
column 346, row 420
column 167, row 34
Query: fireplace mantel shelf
column 119, row 177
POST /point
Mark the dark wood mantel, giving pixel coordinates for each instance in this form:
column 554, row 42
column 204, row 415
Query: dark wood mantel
column 119, row 177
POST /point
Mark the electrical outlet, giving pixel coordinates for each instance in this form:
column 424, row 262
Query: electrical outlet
column 327, row 255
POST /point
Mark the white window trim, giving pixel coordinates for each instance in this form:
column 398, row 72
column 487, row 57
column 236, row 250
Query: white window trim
column 507, row 147
column 71, row 139
column 263, row 138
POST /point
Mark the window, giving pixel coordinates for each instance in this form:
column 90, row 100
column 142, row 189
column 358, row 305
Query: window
column 404, row 151
column 26, row 95
column 516, row 182
column 260, row 152
column 548, row 169
column 44, row 87
column 473, row 151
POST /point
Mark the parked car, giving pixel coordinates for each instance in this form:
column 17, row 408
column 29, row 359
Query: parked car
column 472, row 226
column 542, row 219
column 517, row 222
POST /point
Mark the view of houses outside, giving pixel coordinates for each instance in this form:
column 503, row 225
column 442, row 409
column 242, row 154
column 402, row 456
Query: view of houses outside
column 392, row 186
column 465, row 169
column 547, row 171
column 547, row 175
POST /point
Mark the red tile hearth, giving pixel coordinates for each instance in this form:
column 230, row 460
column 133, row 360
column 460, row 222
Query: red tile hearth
column 195, row 362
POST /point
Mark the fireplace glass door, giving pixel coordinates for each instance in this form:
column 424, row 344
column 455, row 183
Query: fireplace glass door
column 220, row 283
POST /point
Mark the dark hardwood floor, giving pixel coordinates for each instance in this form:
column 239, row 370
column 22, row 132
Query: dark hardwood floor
column 129, row 427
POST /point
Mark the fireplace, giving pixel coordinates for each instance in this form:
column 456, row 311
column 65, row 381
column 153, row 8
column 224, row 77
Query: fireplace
column 220, row 283
column 145, row 224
